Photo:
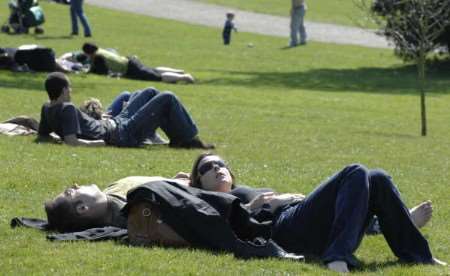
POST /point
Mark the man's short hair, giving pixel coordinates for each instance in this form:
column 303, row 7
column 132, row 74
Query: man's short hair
column 55, row 83
column 63, row 217
column 89, row 48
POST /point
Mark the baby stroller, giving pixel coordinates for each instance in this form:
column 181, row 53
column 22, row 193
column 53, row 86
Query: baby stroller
column 25, row 14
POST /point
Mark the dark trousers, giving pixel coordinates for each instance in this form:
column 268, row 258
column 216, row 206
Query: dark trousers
column 226, row 35
column 76, row 10
column 137, row 70
column 150, row 109
column 330, row 223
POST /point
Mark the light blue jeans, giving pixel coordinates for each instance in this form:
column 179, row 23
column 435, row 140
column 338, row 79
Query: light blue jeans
column 297, row 26
column 76, row 10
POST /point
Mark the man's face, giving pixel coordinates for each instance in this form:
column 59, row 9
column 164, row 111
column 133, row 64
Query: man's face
column 87, row 199
column 214, row 174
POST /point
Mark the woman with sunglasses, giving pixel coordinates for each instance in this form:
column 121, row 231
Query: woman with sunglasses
column 329, row 222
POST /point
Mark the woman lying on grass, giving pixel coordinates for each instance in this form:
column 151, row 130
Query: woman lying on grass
column 329, row 222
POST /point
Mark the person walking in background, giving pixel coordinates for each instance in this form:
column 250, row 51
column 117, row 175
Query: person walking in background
column 298, row 10
column 227, row 28
column 76, row 10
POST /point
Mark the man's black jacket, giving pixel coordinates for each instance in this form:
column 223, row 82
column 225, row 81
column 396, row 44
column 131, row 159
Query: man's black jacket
column 211, row 220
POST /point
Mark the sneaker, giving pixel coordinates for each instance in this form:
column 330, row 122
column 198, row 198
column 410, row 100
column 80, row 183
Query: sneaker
column 155, row 139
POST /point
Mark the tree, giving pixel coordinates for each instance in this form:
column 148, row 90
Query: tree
column 416, row 28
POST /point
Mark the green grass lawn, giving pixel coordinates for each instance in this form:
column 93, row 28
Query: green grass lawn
column 284, row 118
column 343, row 12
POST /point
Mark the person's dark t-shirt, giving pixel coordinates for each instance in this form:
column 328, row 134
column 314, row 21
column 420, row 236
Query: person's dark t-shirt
column 247, row 194
column 66, row 119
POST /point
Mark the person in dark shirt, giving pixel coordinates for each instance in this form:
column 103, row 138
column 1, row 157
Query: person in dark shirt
column 227, row 28
column 329, row 222
column 145, row 113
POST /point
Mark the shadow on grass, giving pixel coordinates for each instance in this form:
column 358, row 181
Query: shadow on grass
column 34, row 80
column 23, row 81
column 50, row 37
column 393, row 80
column 375, row 266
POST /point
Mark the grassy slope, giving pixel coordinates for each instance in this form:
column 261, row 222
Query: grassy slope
column 285, row 119
column 343, row 12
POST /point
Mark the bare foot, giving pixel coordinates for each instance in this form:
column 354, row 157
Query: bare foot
column 338, row 266
column 421, row 213
column 438, row 262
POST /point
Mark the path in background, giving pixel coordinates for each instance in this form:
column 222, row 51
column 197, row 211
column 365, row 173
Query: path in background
column 214, row 15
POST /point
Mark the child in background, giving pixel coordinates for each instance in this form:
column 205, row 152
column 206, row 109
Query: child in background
column 228, row 27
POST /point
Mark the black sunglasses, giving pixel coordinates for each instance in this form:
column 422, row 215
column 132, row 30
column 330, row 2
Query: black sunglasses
column 209, row 165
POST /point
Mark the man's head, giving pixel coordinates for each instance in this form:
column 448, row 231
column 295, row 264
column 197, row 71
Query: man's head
column 77, row 208
column 89, row 48
column 57, row 84
column 230, row 15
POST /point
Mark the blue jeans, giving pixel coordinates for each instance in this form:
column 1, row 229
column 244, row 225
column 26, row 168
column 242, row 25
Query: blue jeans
column 147, row 111
column 76, row 9
column 298, row 26
column 330, row 222
column 117, row 105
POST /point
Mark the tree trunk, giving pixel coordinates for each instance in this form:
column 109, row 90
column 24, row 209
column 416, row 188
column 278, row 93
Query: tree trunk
column 421, row 74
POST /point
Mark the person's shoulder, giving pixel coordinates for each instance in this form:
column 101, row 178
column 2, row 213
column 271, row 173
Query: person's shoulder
column 68, row 106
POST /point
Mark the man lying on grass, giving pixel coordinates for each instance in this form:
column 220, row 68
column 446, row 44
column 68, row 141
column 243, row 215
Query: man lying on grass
column 144, row 114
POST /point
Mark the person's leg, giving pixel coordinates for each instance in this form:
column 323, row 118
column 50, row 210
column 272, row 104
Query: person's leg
column 401, row 234
column 420, row 215
column 137, row 70
column 162, row 69
column 73, row 15
column 83, row 18
column 301, row 25
column 330, row 221
column 165, row 111
column 118, row 103
column 171, row 77
column 294, row 27
column 137, row 100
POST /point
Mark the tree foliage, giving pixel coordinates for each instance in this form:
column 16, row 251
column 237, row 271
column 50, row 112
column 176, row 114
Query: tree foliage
column 413, row 25
column 417, row 28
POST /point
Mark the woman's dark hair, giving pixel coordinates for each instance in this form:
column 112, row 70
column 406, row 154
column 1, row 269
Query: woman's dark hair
column 195, row 177
column 89, row 48
column 55, row 83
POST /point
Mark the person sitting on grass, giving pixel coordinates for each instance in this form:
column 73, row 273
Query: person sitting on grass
column 329, row 222
column 144, row 114
column 108, row 62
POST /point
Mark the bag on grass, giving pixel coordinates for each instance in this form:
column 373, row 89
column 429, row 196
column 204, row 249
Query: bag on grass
column 146, row 227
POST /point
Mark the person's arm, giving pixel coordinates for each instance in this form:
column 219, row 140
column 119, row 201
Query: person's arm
column 73, row 140
column 71, row 127
column 273, row 201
